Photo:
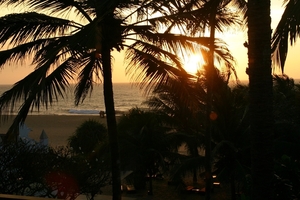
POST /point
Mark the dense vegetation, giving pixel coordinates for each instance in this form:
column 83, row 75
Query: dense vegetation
column 35, row 170
column 63, row 49
column 150, row 141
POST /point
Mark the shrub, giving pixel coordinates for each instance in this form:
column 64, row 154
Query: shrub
column 35, row 170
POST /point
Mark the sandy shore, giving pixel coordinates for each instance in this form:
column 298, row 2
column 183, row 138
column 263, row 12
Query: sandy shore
column 57, row 127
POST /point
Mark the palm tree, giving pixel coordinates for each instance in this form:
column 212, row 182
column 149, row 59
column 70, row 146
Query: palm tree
column 184, row 104
column 215, row 7
column 286, row 131
column 63, row 50
column 287, row 30
column 261, row 101
column 230, row 134
column 145, row 144
column 181, row 102
column 286, row 99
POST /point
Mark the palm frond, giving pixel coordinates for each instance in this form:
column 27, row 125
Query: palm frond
column 56, row 6
column 91, row 68
column 56, row 51
column 44, row 50
column 37, row 89
column 239, row 5
column 178, row 42
column 19, row 28
column 223, row 55
column 288, row 29
column 148, row 68
column 155, row 50
column 176, row 98
column 195, row 18
column 13, row 130
column 175, row 42
column 76, row 45
column 168, row 42
column 21, row 52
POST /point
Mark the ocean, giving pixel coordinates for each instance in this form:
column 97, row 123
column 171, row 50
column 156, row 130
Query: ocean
column 126, row 96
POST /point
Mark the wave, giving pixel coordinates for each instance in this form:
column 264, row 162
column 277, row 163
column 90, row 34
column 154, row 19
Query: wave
column 78, row 111
column 91, row 112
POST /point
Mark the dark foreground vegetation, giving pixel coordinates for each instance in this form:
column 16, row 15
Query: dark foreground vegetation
column 64, row 50
column 164, row 142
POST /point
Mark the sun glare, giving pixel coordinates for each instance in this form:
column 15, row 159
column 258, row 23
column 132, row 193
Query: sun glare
column 193, row 63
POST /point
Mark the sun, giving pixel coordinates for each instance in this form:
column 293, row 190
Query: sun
column 192, row 63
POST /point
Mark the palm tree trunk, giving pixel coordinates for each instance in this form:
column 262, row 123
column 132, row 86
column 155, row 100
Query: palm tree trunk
column 111, row 122
column 260, row 94
column 210, row 75
column 207, row 166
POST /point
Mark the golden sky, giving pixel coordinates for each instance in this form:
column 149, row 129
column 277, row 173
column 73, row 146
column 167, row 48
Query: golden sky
column 235, row 39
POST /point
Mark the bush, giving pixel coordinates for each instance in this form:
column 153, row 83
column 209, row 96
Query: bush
column 34, row 170
column 88, row 137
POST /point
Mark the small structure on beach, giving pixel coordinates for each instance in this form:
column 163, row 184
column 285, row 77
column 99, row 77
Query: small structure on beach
column 24, row 136
column 43, row 138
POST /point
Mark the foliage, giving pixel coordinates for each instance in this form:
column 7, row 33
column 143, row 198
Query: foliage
column 184, row 105
column 182, row 102
column 287, row 177
column 34, row 170
column 88, row 137
column 287, row 31
column 286, row 144
column 64, row 49
column 230, row 136
column 286, row 99
column 23, row 167
column 145, row 143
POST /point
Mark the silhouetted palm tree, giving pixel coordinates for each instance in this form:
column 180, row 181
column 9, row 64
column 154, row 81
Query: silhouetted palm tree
column 286, row 99
column 261, row 84
column 230, row 134
column 286, row 131
column 182, row 102
column 261, row 98
column 214, row 6
column 63, row 50
column 145, row 143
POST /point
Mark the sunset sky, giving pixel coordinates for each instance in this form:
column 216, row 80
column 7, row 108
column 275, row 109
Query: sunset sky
column 235, row 40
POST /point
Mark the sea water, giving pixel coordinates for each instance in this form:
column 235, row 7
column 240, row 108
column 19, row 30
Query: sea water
column 126, row 97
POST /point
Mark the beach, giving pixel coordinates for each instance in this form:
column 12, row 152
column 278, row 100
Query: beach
column 57, row 127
